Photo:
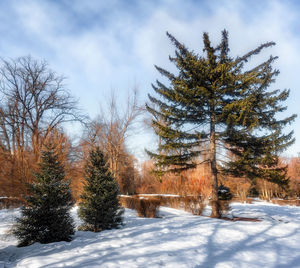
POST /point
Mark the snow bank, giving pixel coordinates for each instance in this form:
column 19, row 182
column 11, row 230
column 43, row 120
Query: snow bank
column 177, row 239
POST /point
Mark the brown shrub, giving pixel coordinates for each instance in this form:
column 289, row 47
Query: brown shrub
column 194, row 182
column 172, row 201
column 197, row 182
column 294, row 176
column 224, row 207
column 290, row 202
column 268, row 190
column 128, row 201
column 148, row 208
column 249, row 200
column 145, row 207
column 193, row 205
column 239, row 187
column 11, row 202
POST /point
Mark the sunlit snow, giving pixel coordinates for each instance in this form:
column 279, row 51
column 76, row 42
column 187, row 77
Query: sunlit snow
column 177, row 239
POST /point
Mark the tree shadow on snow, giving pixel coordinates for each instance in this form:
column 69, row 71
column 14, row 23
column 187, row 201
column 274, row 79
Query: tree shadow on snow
column 152, row 241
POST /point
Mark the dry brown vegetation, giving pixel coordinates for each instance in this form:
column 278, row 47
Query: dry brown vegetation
column 145, row 207
column 294, row 175
column 195, row 182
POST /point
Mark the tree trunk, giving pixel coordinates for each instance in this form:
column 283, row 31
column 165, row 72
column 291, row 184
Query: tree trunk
column 215, row 213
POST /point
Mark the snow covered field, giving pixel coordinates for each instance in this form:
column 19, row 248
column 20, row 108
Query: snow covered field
column 177, row 239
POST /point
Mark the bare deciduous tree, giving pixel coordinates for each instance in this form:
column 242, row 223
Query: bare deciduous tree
column 34, row 101
column 110, row 130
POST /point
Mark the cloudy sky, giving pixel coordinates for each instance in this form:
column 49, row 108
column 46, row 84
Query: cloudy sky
column 104, row 45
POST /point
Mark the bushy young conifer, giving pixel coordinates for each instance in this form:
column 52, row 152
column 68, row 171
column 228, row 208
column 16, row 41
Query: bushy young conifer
column 46, row 217
column 215, row 99
column 99, row 207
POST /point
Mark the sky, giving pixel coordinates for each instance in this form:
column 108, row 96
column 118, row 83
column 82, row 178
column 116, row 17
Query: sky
column 101, row 46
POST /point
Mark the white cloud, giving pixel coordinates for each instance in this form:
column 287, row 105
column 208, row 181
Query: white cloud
column 100, row 45
column 274, row 23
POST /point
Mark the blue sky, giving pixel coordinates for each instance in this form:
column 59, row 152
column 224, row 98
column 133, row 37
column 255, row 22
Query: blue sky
column 104, row 45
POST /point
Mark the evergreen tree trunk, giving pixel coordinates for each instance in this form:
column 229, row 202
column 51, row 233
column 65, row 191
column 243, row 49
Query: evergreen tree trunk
column 215, row 213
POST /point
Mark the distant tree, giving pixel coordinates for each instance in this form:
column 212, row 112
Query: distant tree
column 46, row 217
column 213, row 99
column 128, row 173
column 111, row 129
column 99, row 207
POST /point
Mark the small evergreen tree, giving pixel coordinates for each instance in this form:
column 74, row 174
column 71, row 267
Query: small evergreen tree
column 99, row 208
column 46, row 217
column 214, row 99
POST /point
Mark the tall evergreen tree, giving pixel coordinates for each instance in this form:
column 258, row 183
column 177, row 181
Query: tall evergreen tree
column 99, row 208
column 46, row 217
column 215, row 99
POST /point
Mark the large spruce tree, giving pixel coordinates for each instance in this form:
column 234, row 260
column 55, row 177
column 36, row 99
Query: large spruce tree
column 215, row 99
column 99, row 207
column 46, row 217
